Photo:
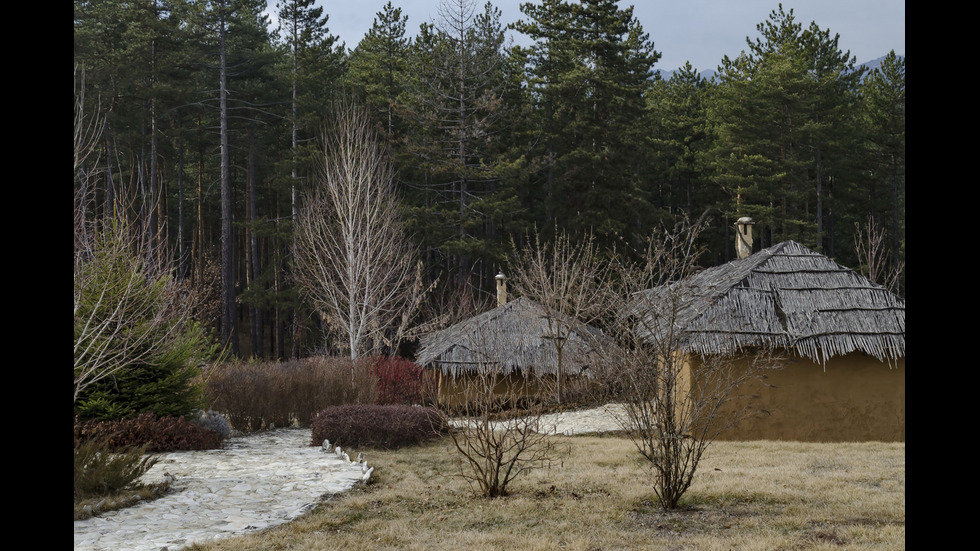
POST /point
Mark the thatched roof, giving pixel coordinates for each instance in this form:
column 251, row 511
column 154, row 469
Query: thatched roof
column 511, row 337
column 786, row 296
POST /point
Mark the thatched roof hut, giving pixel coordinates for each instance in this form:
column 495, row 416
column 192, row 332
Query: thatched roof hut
column 786, row 296
column 511, row 338
column 843, row 378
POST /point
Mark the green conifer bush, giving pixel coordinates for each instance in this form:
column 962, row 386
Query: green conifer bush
column 137, row 348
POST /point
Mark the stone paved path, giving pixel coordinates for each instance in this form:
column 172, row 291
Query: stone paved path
column 601, row 419
column 253, row 483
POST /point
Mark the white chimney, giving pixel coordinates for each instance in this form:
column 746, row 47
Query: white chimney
column 743, row 237
column 501, row 289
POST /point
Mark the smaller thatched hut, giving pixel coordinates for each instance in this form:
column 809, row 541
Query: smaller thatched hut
column 844, row 334
column 512, row 343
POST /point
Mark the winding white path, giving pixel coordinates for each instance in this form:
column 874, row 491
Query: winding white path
column 254, row 482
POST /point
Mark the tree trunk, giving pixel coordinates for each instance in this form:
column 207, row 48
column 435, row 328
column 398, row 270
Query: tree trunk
column 181, row 253
column 254, row 265
column 895, row 240
column 229, row 333
column 293, row 199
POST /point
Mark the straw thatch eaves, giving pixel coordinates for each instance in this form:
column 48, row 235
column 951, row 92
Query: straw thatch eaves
column 513, row 337
column 786, row 296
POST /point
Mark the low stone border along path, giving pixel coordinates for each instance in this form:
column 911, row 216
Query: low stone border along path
column 255, row 482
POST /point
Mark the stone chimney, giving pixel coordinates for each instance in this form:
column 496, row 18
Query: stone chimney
column 501, row 289
column 743, row 237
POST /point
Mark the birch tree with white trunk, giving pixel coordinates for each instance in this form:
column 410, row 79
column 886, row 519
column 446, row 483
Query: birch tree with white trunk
column 353, row 258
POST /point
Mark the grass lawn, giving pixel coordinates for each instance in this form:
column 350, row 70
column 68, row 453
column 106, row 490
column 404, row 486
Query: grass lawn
column 746, row 495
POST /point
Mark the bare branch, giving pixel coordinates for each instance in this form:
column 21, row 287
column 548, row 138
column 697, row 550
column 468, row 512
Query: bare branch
column 495, row 448
column 568, row 280
column 88, row 127
column 128, row 309
column 874, row 255
column 352, row 257
column 675, row 403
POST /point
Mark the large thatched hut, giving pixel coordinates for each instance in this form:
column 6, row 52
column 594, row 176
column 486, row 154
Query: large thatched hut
column 844, row 336
column 511, row 344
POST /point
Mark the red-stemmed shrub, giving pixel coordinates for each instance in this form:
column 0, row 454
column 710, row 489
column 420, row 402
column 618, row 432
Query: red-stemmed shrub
column 401, row 381
column 155, row 434
column 388, row 427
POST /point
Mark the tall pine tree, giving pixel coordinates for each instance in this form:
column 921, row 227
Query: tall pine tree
column 589, row 68
column 454, row 99
column 883, row 98
column 378, row 67
column 781, row 115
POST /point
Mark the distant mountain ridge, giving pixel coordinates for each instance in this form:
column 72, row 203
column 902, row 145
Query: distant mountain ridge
column 709, row 74
column 876, row 63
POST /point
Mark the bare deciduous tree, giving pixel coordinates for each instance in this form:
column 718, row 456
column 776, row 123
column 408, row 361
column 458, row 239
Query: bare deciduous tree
column 874, row 255
column 353, row 259
column 88, row 130
column 675, row 404
column 569, row 281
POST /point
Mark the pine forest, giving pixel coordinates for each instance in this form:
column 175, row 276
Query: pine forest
column 220, row 136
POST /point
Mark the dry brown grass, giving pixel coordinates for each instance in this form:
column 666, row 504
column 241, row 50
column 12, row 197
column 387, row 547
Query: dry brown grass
column 746, row 495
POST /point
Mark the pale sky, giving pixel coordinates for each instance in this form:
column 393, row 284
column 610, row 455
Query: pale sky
column 699, row 31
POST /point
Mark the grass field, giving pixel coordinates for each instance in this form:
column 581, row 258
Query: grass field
column 747, row 495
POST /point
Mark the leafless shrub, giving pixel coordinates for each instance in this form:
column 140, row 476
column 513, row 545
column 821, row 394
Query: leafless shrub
column 494, row 449
column 146, row 430
column 376, row 426
column 569, row 280
column 675, row 404
column 260, row 395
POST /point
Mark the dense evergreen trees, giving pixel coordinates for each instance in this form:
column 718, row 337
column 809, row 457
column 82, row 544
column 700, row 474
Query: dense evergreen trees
column 455, row 96
column 209, row 123
column 883, row 102
column 588, row 69
column 785, row 117
column 378, row 67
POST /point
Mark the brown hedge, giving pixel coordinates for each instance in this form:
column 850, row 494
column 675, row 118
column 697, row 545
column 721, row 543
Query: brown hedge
column 369, row 426
column 156, row 434
column 258, row 396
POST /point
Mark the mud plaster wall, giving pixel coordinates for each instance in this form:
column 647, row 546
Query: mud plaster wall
column 456, row 391
column 855, row 399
